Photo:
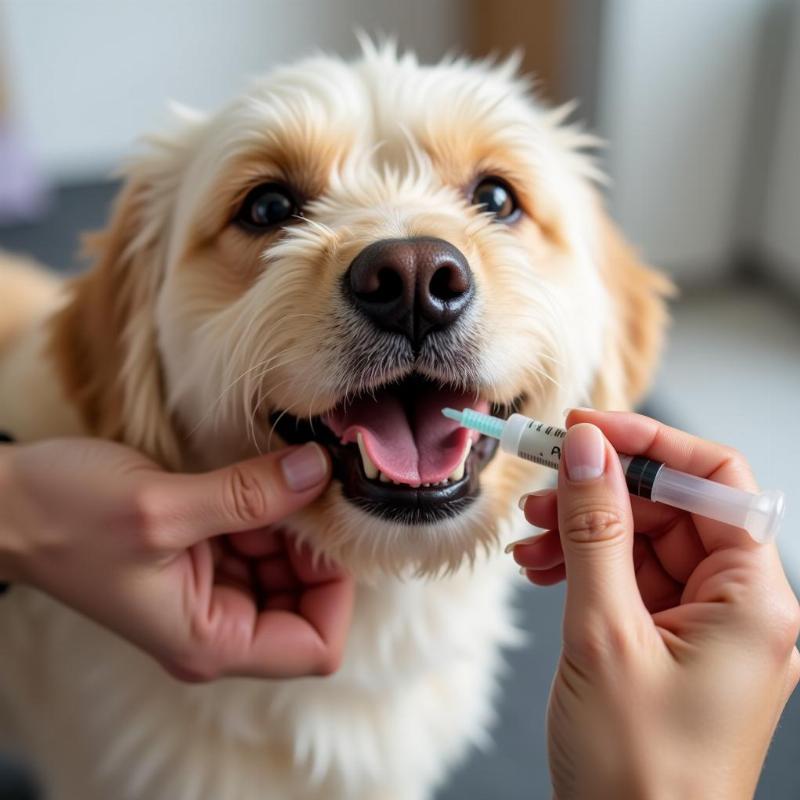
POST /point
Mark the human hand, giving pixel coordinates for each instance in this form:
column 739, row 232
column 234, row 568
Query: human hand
column 678, row 643
column 105, row 530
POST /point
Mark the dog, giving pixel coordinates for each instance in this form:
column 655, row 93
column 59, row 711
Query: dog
column 338, row 254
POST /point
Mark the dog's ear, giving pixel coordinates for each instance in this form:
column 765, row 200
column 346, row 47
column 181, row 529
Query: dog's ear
column 104, row 338
column 638, row 320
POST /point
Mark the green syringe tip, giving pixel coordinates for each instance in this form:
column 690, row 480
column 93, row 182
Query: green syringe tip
column 451, row 413
column 483, row 423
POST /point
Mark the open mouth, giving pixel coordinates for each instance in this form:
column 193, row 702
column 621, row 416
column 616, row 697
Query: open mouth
column 396, row 455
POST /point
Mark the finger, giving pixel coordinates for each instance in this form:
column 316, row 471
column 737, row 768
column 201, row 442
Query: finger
column 276, row 574
column 635, row 434
column 259, row 543
column 658, row 590
column 541, row 508
column 678, row 548
column 281, row 602
column 309, row 642
column 596, row 529
column 241, row 497
column 232, row 569
column 546, row 577
column 672, row 533
column 540, row 552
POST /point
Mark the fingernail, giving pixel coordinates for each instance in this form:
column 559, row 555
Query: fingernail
column 537, row 493
column 509, row 548
column 304, row 467
column 567, row 411
column 584, row 452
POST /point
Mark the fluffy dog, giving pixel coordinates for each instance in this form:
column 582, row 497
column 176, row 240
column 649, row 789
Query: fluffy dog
column 338, row 254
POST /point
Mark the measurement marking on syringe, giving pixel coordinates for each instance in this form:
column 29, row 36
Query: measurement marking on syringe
column 540, row 459
column 550, row 430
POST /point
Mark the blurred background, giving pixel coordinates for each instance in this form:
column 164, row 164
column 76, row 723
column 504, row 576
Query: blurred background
column 699, row 101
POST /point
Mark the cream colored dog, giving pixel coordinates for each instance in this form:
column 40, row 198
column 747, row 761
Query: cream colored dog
column 337, row 254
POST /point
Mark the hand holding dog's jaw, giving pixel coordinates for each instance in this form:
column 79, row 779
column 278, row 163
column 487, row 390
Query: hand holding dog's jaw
column 143, row 555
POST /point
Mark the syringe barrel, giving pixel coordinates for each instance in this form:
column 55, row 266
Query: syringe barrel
column 533, row 440
column 759, row 514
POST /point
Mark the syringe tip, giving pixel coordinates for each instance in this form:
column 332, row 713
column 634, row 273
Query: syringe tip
column 476, row 421
column 451, row 413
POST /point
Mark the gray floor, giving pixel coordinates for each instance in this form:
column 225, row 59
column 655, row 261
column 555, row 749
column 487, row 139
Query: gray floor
column 516, row 766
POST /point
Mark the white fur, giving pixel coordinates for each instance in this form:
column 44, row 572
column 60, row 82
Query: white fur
column 100, row 719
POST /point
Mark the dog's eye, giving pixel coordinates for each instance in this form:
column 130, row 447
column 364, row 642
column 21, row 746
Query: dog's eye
column 495, row 196
column 267, row 205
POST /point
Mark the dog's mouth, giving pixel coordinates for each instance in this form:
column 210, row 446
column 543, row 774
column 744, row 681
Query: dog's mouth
column 394, row 452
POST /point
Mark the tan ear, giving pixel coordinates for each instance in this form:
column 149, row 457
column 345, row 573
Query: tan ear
column 104, row 339
column 639, row 320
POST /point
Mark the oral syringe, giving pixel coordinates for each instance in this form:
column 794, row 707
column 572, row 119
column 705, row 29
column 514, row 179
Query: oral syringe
column 759, row 514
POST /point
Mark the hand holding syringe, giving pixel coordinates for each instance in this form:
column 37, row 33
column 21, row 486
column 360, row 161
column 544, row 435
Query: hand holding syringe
column 759, row 514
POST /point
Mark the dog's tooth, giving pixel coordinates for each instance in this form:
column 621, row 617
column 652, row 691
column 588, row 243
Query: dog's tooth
column 370, row 470
column 383, row 478
column 458, row 473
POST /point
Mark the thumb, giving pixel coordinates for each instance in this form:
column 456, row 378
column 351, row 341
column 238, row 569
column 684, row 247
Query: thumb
column 244, row 496
column 595, row 523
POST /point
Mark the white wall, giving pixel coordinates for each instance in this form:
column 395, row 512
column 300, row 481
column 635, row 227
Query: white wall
column 781, row 221
column 89, row 76
column 675, row 84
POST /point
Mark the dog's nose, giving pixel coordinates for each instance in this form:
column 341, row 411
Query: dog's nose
column 411, row 286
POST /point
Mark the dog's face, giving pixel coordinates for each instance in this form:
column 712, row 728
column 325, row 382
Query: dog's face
column 338, row 255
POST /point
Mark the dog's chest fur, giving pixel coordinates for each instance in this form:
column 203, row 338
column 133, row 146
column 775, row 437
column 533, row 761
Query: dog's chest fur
column 102, row 720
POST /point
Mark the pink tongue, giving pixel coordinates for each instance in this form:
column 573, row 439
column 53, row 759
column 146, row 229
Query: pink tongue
column 411, row 443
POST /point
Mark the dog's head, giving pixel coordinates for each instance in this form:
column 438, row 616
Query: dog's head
column 340, row 253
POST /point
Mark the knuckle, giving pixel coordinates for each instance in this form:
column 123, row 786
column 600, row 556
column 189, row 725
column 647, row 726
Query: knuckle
column 735, row 457
column 591, row 651
column 601, row 644
column 147, row 519
column 594, row 524
column 739, row 467
column 244, row 495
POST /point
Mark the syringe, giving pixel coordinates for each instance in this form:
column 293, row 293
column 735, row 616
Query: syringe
column 759, row 514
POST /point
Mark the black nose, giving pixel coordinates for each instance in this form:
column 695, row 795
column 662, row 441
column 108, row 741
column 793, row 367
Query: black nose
column 411, row 286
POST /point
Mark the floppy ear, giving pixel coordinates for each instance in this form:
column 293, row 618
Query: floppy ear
column 104, row 339
column 638, row 321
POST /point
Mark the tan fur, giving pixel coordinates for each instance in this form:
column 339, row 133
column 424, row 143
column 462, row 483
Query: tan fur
column 103, row 341
column 187, row 332
column 634, row 346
